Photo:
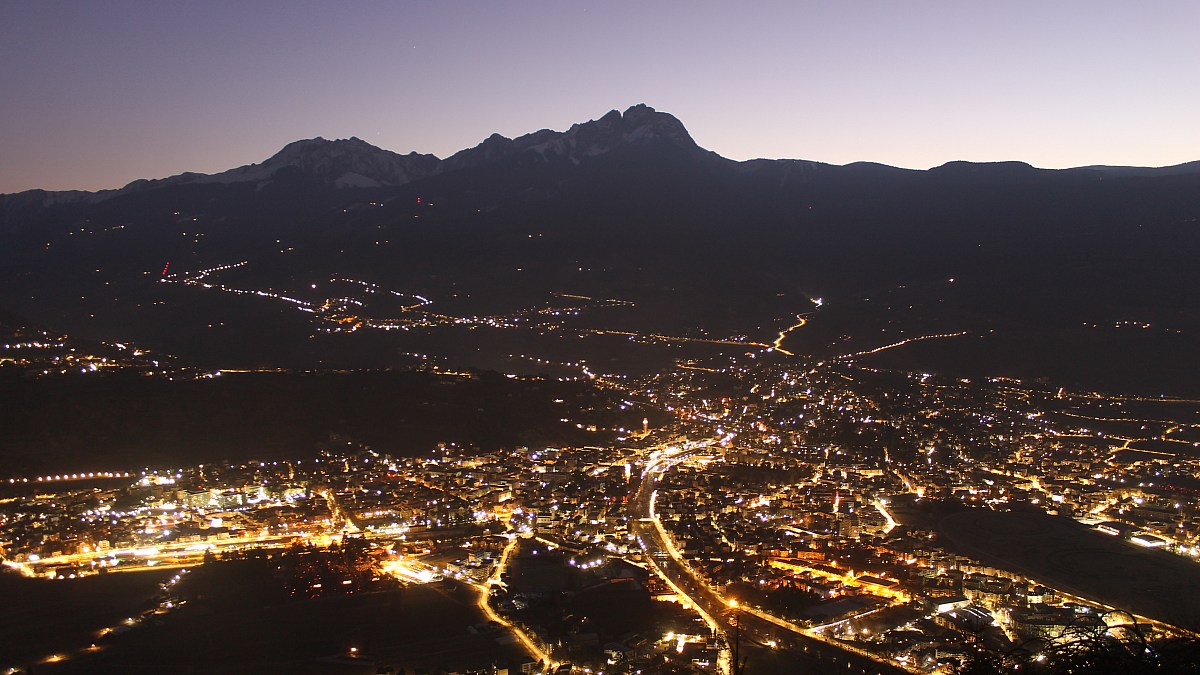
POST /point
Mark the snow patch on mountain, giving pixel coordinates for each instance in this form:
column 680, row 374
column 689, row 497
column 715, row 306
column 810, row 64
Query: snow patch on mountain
column 355, row 180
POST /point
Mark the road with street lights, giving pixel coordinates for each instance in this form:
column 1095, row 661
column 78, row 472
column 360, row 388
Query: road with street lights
column 765, row 639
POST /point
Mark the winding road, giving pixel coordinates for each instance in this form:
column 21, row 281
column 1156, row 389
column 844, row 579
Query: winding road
column 797, row 649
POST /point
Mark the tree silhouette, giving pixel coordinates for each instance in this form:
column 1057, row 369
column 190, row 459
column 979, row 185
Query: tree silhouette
column 1085, row 648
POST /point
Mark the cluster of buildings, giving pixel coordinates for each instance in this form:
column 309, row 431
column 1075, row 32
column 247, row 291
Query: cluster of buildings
column 797, row 514
column 32, row 353
column 801, row 499
column 78, row 525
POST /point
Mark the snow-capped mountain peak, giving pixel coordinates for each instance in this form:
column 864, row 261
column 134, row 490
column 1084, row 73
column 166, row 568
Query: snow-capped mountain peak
column 639, row 126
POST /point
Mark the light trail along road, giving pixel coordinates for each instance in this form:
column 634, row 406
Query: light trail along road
column 808, row 648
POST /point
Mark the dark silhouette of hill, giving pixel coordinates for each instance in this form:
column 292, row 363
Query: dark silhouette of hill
column 630, row 206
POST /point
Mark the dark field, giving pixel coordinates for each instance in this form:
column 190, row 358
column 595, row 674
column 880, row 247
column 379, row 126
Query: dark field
column 240, row 622
column 108, row 423
column 43, row 617
column 1149, row 363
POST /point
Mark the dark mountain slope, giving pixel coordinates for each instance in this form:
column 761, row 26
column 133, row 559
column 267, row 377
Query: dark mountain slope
column 626, row 206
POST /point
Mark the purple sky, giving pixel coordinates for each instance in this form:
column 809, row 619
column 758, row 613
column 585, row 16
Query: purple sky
column 94, row 94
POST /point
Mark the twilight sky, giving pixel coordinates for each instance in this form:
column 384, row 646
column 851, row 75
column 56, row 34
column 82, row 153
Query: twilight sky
column 95, row 93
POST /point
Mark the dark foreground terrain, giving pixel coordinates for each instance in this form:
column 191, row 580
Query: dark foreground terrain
column 240, row 621
column 99, row 423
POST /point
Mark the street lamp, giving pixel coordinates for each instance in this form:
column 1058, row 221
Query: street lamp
column 739, row 661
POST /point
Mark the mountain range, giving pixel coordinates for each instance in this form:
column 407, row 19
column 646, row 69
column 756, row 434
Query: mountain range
column 354, row 163
column 629, row 206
